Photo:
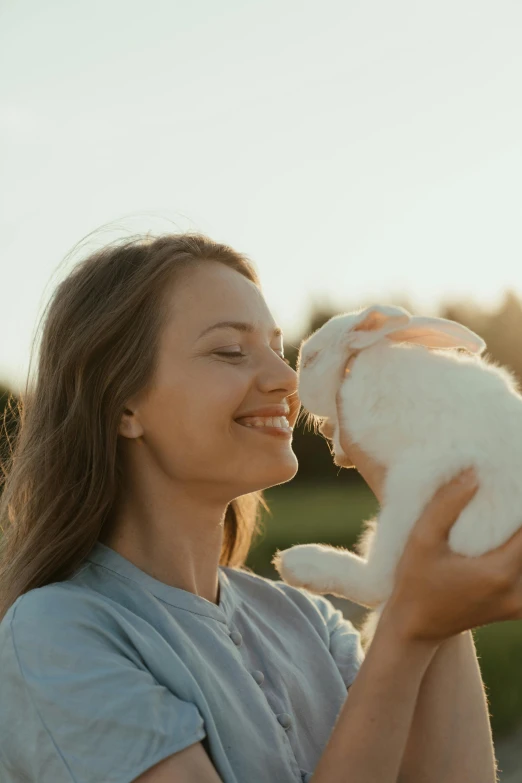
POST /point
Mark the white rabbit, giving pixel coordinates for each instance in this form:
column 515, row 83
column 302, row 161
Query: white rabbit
column 425, row 414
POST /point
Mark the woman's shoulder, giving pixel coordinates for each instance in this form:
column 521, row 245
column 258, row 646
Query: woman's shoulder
column 45, row 599
column 281, row 595
column 297, row 607
column 249, row 580
column 84, row 701
column 54, row 613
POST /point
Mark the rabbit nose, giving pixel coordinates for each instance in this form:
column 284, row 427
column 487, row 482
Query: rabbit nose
column 349, row 363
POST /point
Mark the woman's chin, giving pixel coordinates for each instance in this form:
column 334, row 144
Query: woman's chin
column 279, row 472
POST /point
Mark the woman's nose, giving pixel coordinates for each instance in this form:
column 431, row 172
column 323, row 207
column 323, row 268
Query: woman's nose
column 279, row 376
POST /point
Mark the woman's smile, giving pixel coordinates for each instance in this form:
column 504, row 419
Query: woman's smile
column 269, row 420
column 277, row 425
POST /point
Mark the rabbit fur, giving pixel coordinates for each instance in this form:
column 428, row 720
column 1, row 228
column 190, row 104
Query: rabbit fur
column 424, row 410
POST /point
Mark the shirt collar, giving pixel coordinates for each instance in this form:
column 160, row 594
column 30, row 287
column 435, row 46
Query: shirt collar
column 107, row 557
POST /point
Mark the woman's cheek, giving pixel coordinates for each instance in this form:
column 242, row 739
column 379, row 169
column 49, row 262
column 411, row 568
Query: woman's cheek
column 220, row 399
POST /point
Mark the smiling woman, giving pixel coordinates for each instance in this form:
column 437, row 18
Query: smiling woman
column 162, row 408
column 187, row 456
column 134, row 644
column 136, row 385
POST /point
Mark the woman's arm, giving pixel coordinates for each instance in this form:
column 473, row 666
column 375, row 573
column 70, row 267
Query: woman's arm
column 450, row 737
column 370, row 735
column 415, row 714
column 437, row 595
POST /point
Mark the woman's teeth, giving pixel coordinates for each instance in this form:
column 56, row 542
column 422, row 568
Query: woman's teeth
column 265, row 421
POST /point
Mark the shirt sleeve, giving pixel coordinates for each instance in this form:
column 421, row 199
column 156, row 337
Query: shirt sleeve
column 342, row 638
column 75, row 705
column 345, row 640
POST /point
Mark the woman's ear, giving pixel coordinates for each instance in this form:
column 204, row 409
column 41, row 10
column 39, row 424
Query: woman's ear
column 130, row 426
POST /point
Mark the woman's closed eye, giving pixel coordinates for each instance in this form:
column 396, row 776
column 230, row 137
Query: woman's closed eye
column 240, row 354
column 234, row 354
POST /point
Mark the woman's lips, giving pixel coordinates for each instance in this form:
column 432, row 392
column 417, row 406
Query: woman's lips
column 264, row 421
column 267, row 425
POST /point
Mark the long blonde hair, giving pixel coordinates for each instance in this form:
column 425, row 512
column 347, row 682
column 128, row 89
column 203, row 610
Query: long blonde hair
column 98, row 348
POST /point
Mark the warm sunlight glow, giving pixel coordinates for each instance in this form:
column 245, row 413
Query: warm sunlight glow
column 353, row 151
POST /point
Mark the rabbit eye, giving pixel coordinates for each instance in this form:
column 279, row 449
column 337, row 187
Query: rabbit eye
column 309, row 359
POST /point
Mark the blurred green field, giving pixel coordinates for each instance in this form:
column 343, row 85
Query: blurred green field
column 333, row 514
column 324, row 513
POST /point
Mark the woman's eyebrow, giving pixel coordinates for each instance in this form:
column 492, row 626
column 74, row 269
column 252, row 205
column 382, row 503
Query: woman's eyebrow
column 241, row 326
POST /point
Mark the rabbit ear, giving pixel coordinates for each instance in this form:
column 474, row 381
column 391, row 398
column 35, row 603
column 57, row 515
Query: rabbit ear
column 396, row 323
column 374, row 323
column 438, row 333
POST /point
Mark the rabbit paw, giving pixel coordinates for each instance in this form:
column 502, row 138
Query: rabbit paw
column 305, row 565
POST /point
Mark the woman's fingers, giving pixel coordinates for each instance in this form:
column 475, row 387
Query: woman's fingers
column 513, row 545
column 373, row 472
column 505, row 563
column 506, row 559
column 500, row 569
column 344, row 439
column 444, row 508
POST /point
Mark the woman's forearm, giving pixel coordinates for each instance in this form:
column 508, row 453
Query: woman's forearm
column 450, row 738
column 370, row 735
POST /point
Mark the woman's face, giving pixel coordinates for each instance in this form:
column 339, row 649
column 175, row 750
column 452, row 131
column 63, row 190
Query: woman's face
column 211, row 375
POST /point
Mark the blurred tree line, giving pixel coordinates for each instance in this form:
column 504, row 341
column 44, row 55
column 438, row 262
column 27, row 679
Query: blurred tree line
column 500, row 328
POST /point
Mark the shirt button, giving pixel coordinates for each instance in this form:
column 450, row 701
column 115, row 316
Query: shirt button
column 285, row 720
column 258, row 676
column 236, row 637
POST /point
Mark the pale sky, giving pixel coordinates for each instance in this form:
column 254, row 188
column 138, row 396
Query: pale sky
column 354, row 150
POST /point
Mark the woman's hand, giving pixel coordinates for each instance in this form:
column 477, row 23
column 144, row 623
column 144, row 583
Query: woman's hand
column 438, row 593
column 372, row 472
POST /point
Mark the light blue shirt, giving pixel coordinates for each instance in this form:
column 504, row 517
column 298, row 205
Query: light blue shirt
column 109, row 672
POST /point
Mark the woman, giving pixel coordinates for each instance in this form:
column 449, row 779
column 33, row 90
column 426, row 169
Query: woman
column 133, row 646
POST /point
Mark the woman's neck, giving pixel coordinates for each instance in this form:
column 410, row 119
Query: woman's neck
column 177, row 542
